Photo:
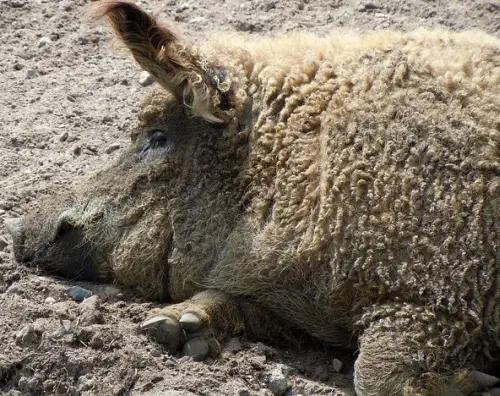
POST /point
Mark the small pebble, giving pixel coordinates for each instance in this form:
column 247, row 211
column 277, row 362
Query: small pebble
column 50, row 300
column 17, row 3
column 367, row 7
column 112, row 148
column 77, row 149
column 44, row 41
column 337, row 365
column 66, row 6
column 278, row 382
column 64, row 136
column 91, row 148
column 146, row 79
column 78, row 293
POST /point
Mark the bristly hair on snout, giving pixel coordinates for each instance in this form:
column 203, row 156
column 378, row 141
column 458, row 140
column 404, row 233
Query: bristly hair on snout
column 199, row 83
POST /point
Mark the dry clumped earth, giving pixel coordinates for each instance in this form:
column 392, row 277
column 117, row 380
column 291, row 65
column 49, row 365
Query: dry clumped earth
column 66, row 107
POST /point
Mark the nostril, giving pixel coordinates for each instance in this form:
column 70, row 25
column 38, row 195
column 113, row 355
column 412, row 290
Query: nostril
column 15, row 226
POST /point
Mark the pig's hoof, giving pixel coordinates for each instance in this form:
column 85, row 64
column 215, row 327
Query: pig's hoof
column 197, row 348
column 186, row 334
column 190, row 322
column 166, row 331
column 484, row 380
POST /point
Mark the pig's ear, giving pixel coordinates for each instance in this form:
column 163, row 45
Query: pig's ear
column 199, row 83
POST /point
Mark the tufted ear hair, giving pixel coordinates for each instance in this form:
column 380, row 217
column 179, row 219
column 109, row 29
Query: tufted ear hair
column 201, row 85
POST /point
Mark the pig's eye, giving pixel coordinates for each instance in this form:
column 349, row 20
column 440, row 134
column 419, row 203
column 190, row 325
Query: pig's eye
column 157, row 140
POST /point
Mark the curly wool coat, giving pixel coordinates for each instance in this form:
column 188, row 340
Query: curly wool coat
column 350, row 185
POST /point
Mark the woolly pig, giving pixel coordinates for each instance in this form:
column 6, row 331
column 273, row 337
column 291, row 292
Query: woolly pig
column 347, row 187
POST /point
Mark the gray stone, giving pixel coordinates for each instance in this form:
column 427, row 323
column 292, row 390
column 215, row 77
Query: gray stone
column 44, row 42
column 17, row 3
column 66, row 6
column 78, row 293
column 77, row 149
column 146, row 79
column 112, row 148
column 278, row 382
column 64, row 136
column 369, row 6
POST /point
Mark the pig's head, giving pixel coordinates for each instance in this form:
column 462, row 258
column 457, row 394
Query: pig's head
column 154, row 219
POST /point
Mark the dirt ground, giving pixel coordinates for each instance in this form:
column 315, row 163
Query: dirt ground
column 66, row 106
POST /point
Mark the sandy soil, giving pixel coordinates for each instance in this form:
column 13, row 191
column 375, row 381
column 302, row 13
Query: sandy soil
column 66, row 103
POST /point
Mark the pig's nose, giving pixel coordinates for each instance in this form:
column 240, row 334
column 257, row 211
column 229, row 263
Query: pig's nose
column 16, row 229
